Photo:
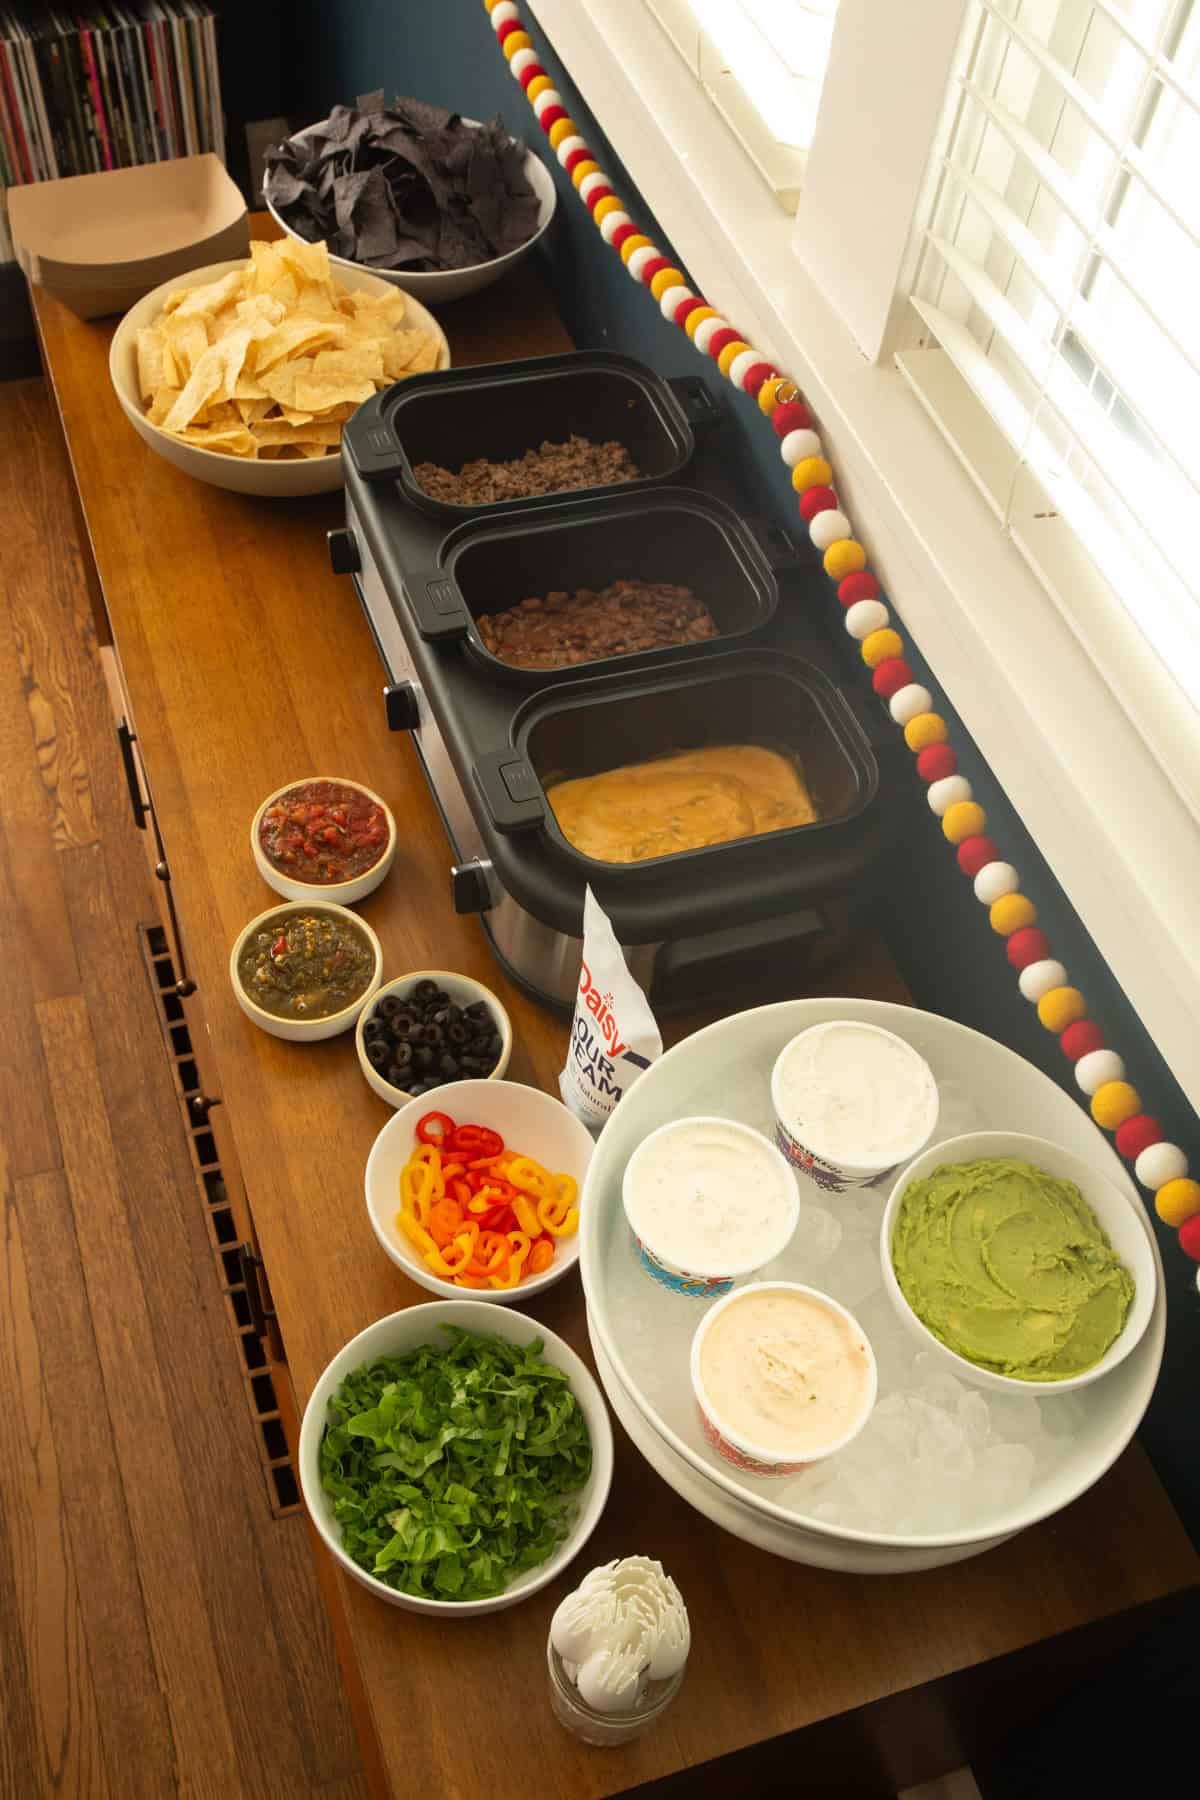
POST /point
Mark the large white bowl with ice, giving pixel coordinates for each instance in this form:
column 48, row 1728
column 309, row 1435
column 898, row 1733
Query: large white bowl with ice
column 943, row 1470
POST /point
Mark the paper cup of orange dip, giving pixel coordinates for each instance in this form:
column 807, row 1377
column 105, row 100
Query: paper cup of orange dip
column 783, row 1377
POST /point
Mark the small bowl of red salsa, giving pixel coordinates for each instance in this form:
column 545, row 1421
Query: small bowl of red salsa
column 325, row 837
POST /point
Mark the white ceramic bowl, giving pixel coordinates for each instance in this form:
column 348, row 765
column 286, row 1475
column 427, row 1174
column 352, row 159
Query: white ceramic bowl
column 528, row 1120
column 701, row 1282
column 815, row 1160
column 435, row 286
column 1123, row 1223
column 463, row 991
column 269, row 479
column 304, row 1030
column 734, row 1446
column 403, row 1331
column 341, row 893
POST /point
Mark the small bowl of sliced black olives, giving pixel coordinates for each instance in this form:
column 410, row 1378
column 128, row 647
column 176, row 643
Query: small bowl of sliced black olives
column 423, row 1030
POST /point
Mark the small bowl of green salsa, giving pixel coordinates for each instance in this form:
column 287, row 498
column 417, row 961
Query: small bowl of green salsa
column 305, row 971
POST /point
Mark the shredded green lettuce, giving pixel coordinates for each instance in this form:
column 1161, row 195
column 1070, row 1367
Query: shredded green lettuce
column 451, row 1470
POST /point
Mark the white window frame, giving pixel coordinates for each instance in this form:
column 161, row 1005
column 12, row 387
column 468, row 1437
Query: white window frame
column 1031, row 682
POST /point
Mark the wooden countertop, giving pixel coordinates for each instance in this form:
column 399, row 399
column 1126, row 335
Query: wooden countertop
column 248, row 664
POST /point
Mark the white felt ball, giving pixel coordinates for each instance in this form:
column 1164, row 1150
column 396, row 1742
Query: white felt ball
column 521, row 62
column 1097, row 1067
column 1158, row 1164
column 611, row 222
column 1038, row 978
column 907, row 702
column 502, row 13
column 741, row 366
column 707, row 330
column 590, row 183
column 672, row 298
column 993, row 881
column 947, row 792
column 798, row 445
column 642, row 255
column 829, row 527
column 866, row 616
column 569, row 146
column 547, row 97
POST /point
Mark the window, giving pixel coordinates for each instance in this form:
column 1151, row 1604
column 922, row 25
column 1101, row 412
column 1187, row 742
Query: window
column 763, row 63
column 1059, row 272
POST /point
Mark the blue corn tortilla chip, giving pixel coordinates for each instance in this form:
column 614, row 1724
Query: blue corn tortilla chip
column 410, row 186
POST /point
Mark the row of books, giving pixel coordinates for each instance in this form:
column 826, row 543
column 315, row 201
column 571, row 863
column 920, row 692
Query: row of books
column 105, row 87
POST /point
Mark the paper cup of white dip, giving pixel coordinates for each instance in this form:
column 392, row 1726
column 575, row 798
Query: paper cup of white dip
column 852, row 1103
column 707, row 1200
column 783, row 1377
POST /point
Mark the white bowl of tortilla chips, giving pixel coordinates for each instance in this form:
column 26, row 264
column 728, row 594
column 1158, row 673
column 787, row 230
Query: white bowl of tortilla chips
column 243, row 373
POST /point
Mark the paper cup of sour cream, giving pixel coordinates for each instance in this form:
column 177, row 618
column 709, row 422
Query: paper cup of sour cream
column 783, row 1377
column 852, row 1102
column 708, row 1200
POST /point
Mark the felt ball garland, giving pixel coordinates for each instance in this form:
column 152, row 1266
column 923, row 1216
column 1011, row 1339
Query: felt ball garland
column 1115, row 1104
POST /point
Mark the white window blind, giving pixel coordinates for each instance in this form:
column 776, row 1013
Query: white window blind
column 1059, row 273
column 763, row 63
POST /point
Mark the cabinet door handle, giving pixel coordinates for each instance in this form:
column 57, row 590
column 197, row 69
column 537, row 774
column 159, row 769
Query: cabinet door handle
column 127, row 739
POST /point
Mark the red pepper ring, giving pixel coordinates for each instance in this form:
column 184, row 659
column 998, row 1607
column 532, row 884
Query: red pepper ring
column 474, row 1140
column 441, row 1137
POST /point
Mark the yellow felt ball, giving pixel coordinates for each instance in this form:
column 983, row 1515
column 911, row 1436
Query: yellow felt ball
column 879, row 645
column 768, row 394
column 516, row 40
column 490, row 4
column 697, row 317
column 666, row 278
column 845, row 557
column 537, row 86
column 1012, row 912
column 602, row 208
column 966, row 818
column 811, row 471
column 725, row 359
column 634, row 242
column 1176, row 1201
column 561, row 128
column 1061, row 1007
column 925, row 729
column 1113, row 1103
column 582, row 170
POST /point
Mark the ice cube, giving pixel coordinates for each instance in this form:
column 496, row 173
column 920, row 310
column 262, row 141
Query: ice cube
column 1016, row 1418
column 934, row 1382
column 975, row 1416
column 1003, row 1477
column 942, row 1445
column 1062, row 1414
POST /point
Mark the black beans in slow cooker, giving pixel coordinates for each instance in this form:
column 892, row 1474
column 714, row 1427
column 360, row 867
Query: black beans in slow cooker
column 420, row 1040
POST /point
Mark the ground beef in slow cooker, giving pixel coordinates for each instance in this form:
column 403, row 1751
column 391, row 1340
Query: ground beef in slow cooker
column 550, row 470
column 620, row 620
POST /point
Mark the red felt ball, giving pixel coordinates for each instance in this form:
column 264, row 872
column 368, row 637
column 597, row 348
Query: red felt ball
column 1026, row 946
column 508, row 25
column 1189, row 1237
column 530, row 74
column 756, row 374
column 1081, row 1039
column 936, row 761
column 892, row 674
column 974, row 853
column 621, row 233
column 719, row 339
column 793, row 415
column 551, row 116
column 1137, row 1134
column 651, row 268
column 685, row 307
column 862, row 585
column 816, row 500
column 583, row 154
column 601, row 191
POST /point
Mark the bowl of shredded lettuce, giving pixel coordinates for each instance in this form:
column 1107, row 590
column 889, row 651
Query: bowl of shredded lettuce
column 454, row 1457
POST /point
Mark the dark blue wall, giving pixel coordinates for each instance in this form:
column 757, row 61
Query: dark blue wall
column 444, row 52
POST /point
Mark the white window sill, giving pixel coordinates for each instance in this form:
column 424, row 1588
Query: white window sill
column 1114, row 828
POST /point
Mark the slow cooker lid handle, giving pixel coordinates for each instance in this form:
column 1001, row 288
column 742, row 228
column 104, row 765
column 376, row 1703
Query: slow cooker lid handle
column 510, row 791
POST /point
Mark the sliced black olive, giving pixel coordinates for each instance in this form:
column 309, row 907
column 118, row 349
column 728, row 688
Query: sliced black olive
column 479, row 1010
column 494, row 1044
column 422, row 1057
column 472, row 1065
column 489, row 1062
column 396, row 1077
column 390, row 1006
column 379, row 1054
column 434, row 1036
column 413, row 1088
column 448, row 1065
column 416, row 1034
column 448, row 1015
column 456, row 1034
column 402, row 1056
column 374, row 1028
column 426, row 990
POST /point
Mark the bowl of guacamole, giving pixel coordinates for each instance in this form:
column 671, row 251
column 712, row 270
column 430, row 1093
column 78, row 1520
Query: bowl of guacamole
column 1025, row 1265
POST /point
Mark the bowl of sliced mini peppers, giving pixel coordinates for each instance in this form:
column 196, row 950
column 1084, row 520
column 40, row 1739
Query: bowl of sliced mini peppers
column 480, row 1193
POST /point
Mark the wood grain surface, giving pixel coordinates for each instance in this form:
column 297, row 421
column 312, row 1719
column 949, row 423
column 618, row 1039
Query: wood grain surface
column 162, row 1633
column 249, row 665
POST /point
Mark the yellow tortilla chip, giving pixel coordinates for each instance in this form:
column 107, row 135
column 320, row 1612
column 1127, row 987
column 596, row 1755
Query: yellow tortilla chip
column 161, row 404
column 189, row 303
column 229, row 440
column 296, row 337
column 151, row 363
column 279, row 431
